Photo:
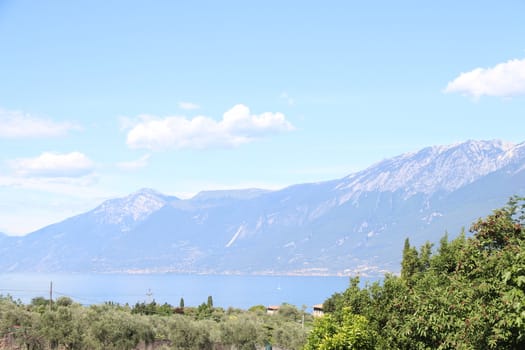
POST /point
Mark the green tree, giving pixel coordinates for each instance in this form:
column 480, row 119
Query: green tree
column 62, row 327
column 467, row 295
column 425, row 252
column 352, row 332
column 258, row 309
column 114, row 329
column 188, row 334
column 410, row 263
column 287, row 335
column 241, row 332
column 289, row 312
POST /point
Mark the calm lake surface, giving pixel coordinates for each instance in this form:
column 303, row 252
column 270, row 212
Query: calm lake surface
column 236, row 291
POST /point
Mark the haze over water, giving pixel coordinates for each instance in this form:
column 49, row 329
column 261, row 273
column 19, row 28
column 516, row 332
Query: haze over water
column 236, row 291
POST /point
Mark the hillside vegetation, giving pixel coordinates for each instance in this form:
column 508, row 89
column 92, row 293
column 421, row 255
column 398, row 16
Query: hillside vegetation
column 347, row 226
column 468, row 294
column 68, row 325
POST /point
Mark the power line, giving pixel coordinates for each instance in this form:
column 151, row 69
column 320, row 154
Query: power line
column 50, row 295
column 23, row 290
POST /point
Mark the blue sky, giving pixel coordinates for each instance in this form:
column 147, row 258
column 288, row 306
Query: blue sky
column 101, row 98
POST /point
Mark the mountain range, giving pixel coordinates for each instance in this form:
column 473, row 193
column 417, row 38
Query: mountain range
column 353, row 225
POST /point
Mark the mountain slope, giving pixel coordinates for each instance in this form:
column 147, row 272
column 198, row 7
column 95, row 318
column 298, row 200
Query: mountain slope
column 356, row 224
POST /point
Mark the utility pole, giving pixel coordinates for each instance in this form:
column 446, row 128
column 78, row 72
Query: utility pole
column 50, row 295
column 149, row 294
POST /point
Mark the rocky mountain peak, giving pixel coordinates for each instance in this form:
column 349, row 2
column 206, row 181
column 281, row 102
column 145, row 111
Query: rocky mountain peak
column 229, row 194
column 132, row 208
column 301, row 229
column 437, row 168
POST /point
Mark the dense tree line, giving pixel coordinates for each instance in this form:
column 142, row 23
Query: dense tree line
column 66, row 325
column 467, row 294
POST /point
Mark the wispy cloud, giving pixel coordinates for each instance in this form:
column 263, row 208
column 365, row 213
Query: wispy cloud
column 238, row 126
column 504, row 80
column 188, row 105
column 289, row 100
column 54, row 165
column 30, row 203
column 135, row 164
column 16, row 124
column 74, row 186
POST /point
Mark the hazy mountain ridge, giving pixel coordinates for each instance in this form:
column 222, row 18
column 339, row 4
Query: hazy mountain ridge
column 131, row 209
column 433, row 168
column 351, row 225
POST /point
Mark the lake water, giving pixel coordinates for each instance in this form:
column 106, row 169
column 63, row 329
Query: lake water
column 236, row 291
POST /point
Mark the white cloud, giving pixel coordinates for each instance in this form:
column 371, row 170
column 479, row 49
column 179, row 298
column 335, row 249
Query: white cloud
column 503, row 80
column 15, row 124
column 135, row 164
column 238, row 126
column 53, row 165
column 188, row 105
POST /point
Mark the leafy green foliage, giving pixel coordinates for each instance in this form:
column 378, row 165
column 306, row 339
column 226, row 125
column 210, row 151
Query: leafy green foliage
column 469, row 294
column 152, row 309
column 351, row 332
column 66, row 325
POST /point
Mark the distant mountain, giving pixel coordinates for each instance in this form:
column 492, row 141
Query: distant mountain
column 352, row 225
